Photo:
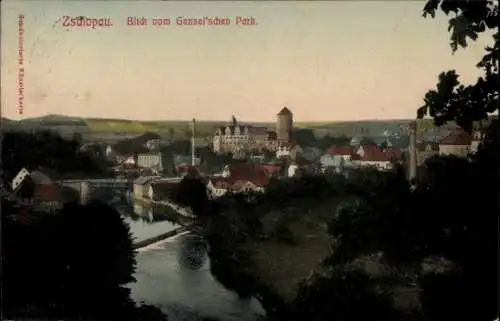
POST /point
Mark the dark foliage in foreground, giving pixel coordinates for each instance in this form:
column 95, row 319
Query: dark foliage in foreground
column 45, row 149
column 71, row 265
column 451, row 100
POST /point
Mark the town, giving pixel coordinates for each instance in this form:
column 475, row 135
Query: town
column 321, row 164
column 254, row 156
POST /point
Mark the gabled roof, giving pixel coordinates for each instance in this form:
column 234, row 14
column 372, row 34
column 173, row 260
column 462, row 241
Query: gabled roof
column 254, row 173
column 379, row 155
column 340, row 150
column 458, row 137
column 164, row 189
column 285, row 111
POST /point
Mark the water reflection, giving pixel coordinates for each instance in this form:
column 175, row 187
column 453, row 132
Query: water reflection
column 175, row 274
column 193, row 253
column 146, row 221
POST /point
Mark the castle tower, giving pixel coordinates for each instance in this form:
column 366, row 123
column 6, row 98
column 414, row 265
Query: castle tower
column 284, row 124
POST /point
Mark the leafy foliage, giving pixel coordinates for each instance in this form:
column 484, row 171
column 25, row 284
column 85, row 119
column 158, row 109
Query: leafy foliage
column 451, row 100
column 306, row 138
column 343, row 294
column 45, row 149
column 75, row 264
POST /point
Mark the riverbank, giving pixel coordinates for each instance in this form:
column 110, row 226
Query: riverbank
column 158, row 238
column 181, row 211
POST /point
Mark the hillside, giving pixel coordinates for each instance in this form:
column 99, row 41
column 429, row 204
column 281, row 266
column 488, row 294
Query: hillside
column 113, row 129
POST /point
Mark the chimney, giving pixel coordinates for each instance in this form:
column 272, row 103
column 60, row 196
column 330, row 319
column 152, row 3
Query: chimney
column 193, row 159
column 412, row 150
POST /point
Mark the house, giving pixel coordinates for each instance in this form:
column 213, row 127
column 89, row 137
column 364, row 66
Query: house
column 272, row 170
column 335, row 162
column 218, row 186
column 128, row 161
column 161, row 190
column 153, row 144
column 240, row 178
column 426, row 150
column 363, row 150
column 287, row 149
column 159, row 162
column 477, row 138
column 457, row 143
column 382, row 159
column 344, row 152
column 141, row 186
column 110, row 153
column 37, row 190
column 19, row 178
column 48, row 197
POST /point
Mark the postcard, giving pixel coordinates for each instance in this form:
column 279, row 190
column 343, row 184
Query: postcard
column 163, row 113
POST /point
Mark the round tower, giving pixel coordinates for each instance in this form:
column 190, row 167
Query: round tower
column 284, row 124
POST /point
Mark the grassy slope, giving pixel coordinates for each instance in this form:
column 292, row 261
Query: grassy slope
column 181, row 127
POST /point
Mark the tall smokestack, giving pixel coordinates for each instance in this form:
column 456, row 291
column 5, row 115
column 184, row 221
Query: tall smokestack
column 193, row 159
column 412, row 150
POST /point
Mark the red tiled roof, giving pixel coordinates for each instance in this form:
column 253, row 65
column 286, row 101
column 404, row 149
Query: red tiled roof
column 270, row 169
column 249, row 172
column 340, row 150
column 221, row 182
column 379, row 155
column 254, row 173
column 285, row 111
column 370, row 148
column 47, row 192
column 239, row 185
column 457, row 137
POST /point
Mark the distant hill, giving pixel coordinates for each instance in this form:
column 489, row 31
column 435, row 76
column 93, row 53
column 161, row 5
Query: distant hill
column 113, row 129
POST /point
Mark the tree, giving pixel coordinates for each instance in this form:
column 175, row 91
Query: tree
column 451, row 100
column 45, row 149
column 344, row 294
column 305, row 137
column 75, row 264
column 451, row 215
column 192, row 192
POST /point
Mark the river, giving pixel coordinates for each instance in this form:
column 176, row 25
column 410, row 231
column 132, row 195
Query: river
column 175, row 276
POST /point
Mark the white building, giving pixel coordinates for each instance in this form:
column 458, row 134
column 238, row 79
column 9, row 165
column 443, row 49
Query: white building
column 153, row 144
column 288, row 150
column 457, row 143
column 141, row 186
column 158, row 162
column 477, row 138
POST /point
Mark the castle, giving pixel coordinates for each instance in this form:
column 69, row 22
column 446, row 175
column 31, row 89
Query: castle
column 236, row 137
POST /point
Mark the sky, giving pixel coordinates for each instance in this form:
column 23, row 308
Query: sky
column 326, row 61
